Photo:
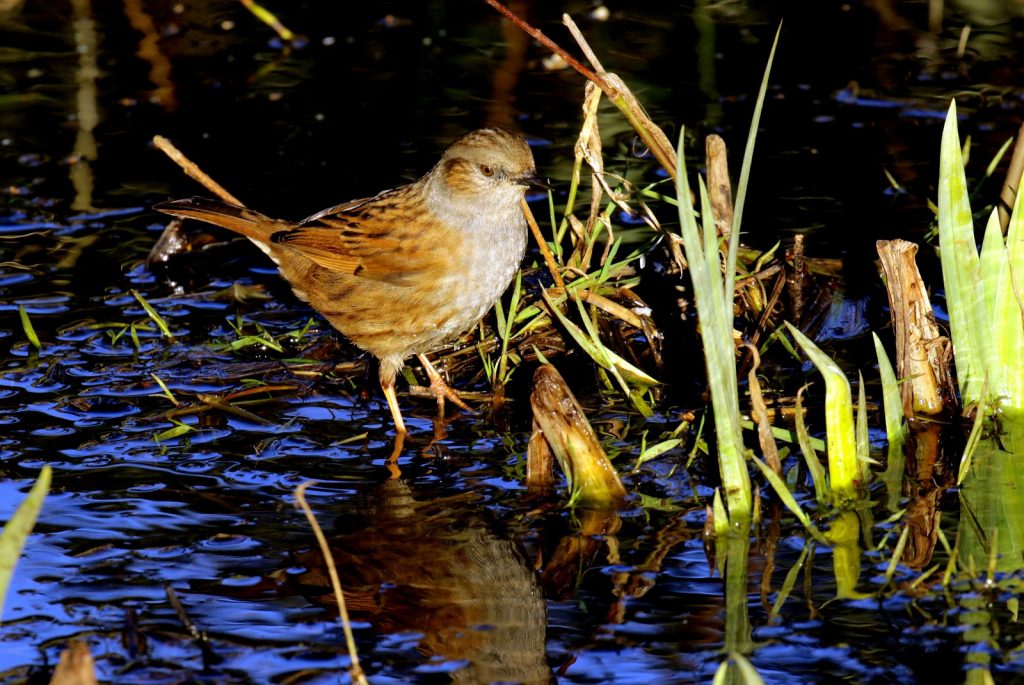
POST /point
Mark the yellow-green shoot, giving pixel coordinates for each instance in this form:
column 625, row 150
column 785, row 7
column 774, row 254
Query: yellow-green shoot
column 844, row 468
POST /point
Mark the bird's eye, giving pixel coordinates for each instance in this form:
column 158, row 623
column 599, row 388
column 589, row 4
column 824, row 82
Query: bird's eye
column 486, row 170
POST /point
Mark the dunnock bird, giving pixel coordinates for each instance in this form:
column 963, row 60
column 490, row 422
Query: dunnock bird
column 401, row 272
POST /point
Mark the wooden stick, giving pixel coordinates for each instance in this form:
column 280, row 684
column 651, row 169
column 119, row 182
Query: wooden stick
column 922, row 352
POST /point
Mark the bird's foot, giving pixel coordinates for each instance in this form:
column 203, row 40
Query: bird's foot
column 441, row 390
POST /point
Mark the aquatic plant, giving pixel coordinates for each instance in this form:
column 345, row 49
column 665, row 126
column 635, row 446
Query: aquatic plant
column 983, row 290
column 847, row 456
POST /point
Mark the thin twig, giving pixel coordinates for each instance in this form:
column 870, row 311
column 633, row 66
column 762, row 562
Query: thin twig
column 551, row 45
column 603, row 303
column 613, row 86
column 356, row 671
column 193, row 170
column 545, row 251
column 578, row 35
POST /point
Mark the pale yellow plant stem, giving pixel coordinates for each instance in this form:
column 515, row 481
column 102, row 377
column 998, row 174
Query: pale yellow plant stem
column 356, row 671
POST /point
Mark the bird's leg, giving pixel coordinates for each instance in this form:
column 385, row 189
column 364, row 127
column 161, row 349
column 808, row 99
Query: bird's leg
column 392, row 398
column 392, row 460
column 439, row 388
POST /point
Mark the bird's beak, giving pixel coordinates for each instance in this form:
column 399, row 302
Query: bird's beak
column 530, row 178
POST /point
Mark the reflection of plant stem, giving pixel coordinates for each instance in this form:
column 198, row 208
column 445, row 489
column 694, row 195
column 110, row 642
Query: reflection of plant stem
column 737, row 616
column 706, row 60
column 506, row 75
column 149, row 50
column 86, row 108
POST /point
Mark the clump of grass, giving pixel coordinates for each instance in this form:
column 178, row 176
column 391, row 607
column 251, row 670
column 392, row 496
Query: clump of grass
column 983, row 291
column 713, row 293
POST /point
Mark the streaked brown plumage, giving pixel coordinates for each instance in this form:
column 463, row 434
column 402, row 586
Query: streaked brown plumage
column 401, row 272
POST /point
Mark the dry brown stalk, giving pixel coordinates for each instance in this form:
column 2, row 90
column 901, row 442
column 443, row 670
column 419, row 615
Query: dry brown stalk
column 193, row 170
column 588, row 148
column 613, row 308
column 1008, row 195
column 549, row 259
column 551, row 45
column 719, row 186
column 613, row 86
column 355, row 670
column 759, row 412
column 922, row 353
column 799, row 280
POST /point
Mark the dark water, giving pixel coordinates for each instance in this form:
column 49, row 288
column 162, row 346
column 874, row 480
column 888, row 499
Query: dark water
column 453, row 574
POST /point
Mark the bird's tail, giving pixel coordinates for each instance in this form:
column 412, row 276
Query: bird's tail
column 252, row 225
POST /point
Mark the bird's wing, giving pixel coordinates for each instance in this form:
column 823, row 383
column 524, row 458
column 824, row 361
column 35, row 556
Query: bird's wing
column 375, row 238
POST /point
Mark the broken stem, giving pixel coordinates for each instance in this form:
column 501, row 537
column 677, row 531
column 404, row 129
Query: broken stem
column 193, row 170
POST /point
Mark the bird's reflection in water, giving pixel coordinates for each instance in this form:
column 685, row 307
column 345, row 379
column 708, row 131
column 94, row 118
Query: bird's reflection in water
column 434, row 566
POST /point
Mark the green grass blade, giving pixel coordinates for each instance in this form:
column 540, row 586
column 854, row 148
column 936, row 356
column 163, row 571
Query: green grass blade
column 863, row 445
column 745, row 673
column 895, row 428
column 166, row 391
column 16, row 531
column 748, row 160
column 961, row 267
column 973, row 440
column 790, row 581
column 654, row 451
column 783, row 434
column 590, row 341
column 715, row 318
column 710, row 247
column 891, row 402
column 30, row 331
column 821, row 488
column 1007, row 335
column 787, row 498
column 177, row 431
column 153, row 314
column 616, row 364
